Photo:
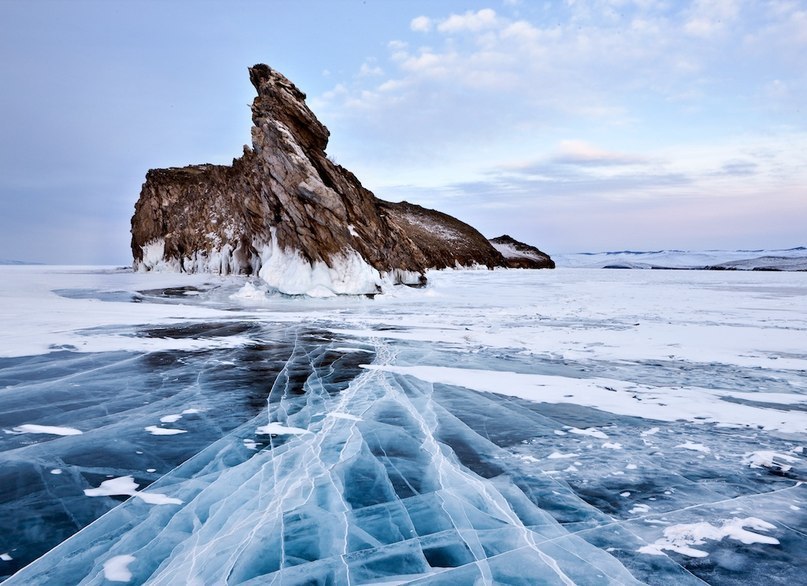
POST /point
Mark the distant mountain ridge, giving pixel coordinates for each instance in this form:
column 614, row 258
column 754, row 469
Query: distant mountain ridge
column 17, row 262
column 788, row 259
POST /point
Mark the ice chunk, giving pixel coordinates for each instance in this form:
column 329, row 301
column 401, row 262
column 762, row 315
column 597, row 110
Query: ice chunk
column 249, row 293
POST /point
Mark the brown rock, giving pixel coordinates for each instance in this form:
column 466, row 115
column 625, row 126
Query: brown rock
column 284, row 199
column 521, row 256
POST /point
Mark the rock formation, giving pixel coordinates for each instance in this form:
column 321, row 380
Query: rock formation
column 518, row 255
column 286, row 212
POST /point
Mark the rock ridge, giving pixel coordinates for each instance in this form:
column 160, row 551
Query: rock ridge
column 521, row 256
column 287, row 213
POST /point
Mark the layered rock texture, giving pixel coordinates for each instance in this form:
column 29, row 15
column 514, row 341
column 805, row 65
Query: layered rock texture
column 518, row 255
column 286, row 212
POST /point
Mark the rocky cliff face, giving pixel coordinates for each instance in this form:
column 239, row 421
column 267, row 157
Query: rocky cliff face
column 284, row 211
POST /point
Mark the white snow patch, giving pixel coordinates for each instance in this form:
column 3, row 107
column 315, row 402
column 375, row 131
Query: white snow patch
column 340, row 415
column 694, row 447
column 592, row 431
column 559, row 455
column 116, row 569
column 651, row 431
column 5, row 557
column 154, row 430
column 170, row 418
column 275, row 428
column 625, row 494
column 681, row 538
column 250, row 444
column 249, row 293
column 510, row 251
column 631, row 467
column 698, row 405
column 56, row 471
column 154, row 258
column 46, row 429
column 612, row 446
column 288, row 272
column 126, row 486
column 638, row 509
column 769, row 459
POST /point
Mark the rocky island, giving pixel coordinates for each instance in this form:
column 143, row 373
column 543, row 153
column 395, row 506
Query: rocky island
column 286, row 212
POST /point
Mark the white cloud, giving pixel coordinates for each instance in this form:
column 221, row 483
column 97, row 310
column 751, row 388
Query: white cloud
column 580, row 152
column 421, row 24
column 370, row 69
column 711, row 17
column 470, row 21
column 490, row 89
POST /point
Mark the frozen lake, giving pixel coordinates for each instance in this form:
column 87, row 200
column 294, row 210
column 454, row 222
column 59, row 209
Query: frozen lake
column 575, row 426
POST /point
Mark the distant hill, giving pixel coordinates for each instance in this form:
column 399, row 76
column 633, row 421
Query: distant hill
column 17, row 262
column 790, row 259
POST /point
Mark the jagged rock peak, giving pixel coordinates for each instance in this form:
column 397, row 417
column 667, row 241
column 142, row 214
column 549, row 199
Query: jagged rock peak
column 280, row 100
column 287, row 213
column 521, row 256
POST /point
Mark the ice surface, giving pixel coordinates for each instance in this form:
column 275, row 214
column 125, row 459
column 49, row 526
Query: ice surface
column 517, row 427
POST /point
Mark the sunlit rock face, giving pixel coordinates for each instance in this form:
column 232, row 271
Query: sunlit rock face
column 285, row 211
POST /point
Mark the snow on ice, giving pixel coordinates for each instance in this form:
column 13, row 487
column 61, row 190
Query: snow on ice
column 520, row 427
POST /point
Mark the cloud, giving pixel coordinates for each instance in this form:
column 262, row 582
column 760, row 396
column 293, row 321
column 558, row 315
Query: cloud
column 579, row 152
column 370, row 69
column 421, row 24
column 669, row 101
column 739, row 168
column 711, row 17
column 469, row 22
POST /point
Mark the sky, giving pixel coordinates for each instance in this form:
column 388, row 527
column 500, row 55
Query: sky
column 573, row 125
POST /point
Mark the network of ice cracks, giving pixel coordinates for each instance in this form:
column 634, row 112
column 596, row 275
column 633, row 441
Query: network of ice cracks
column 295, row 463
column 352, row 487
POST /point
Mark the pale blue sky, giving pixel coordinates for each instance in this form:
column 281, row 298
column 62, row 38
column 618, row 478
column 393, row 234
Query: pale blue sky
column 573, row 125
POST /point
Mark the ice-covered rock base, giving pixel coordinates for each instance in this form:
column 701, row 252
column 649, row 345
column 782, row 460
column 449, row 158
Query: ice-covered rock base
column 286, row 271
